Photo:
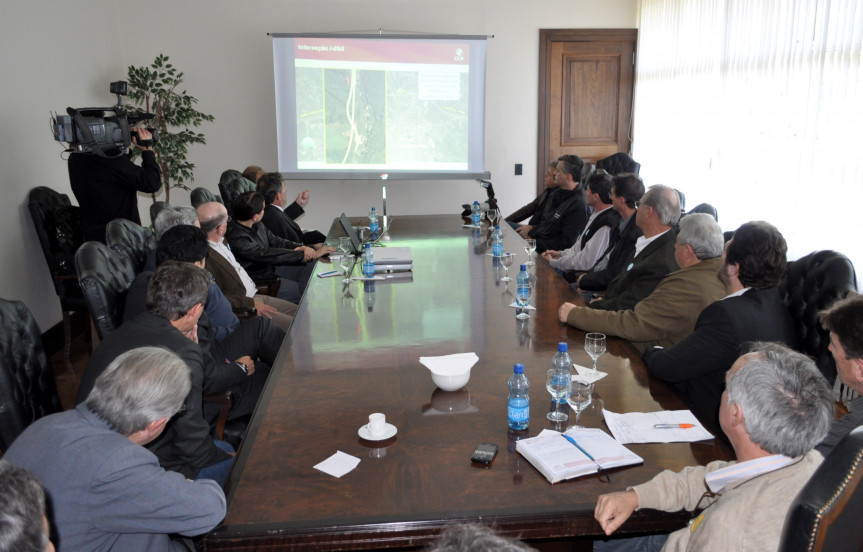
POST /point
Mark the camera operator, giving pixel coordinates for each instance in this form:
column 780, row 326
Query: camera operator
column 107, row 187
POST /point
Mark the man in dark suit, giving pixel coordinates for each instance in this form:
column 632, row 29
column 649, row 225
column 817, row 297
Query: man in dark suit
column 175, row 301
column 653, row 258
column 752, row 266
column 535, row 208
column 276, row 217
column 626, row 191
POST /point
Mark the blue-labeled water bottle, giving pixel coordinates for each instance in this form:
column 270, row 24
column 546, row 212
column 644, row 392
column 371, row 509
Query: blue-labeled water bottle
column 523, row 286
column 475, row 213
column 497, row 242
column 562, row 365
column 374, row 227
column 368, row 261
column 518, row 401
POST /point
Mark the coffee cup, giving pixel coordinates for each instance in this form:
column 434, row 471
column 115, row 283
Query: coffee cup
column 377, row 424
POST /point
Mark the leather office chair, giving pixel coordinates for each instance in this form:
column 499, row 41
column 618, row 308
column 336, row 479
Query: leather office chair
column 825, row 515
column 202, row 195
column 231, row 185
column 60, row 231
column 105, row 276
column 810, row 284
column 619, row 163
column 130, row 239
column 155, row 208
column 27, row 388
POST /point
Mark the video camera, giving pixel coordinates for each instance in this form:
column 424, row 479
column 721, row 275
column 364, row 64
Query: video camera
column 103, row 131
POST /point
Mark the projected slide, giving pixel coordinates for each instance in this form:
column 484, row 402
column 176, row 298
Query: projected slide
column 371, row 105
column 349, row 107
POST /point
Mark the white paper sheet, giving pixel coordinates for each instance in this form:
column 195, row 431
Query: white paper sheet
column 338, row 464
column 637, row 427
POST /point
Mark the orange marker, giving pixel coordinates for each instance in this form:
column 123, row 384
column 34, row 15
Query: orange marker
column 672, row 426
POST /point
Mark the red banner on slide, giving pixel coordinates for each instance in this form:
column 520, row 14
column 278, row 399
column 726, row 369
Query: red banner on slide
column 390, row 51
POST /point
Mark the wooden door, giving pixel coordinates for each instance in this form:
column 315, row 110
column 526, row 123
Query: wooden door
column 585, row 93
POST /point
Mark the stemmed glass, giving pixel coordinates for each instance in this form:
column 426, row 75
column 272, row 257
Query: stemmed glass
column 522, row 298
column 493, row 216
column 594, row 344
column 579, row 397
column 347, row 264
column 529, row 248
column 506, row 260
column 344, row 245
column 557, row 384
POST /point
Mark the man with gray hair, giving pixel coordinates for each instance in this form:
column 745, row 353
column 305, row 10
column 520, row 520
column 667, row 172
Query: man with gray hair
column 668, row 314
column 23, row 524
column 776, row 408
column 175, row 298
column 653, row 258
column 170, row 217
column 107, row 491
column 752, row 309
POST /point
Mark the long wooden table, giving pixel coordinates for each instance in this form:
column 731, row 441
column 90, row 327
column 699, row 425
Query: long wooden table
column 352, row 351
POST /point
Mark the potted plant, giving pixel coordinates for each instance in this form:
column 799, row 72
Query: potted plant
column 155, row 89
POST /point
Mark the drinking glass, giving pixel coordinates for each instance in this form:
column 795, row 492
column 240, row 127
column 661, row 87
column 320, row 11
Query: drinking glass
column 530, row 247
column 506, row 260
column 594, row 344
column 557, row 384
column 579, row 396
column 523, row 300
column 345, row 245
column 347, row 264
column 493, row 216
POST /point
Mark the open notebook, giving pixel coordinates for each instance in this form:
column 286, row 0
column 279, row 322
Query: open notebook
column 558, row 458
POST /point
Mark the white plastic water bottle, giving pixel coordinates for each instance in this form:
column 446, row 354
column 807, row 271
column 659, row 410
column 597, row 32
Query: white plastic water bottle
column 475, row 214
column 518, row 401
column 562, row 365
column 368, row 261
column 374, row 227
column 497, row 242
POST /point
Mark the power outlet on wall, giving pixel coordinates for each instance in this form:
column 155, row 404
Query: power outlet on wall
column 518, row 169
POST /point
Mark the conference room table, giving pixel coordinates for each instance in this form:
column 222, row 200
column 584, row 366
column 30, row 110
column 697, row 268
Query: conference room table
column 354, row 350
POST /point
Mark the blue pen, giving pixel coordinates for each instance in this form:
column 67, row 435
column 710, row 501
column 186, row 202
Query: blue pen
column 571, row 440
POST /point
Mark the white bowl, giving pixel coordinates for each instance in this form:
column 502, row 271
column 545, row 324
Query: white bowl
column 451, row 380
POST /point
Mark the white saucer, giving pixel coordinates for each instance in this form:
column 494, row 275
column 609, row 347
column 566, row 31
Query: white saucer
column 389, row 431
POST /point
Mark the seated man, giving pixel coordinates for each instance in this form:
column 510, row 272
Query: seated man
column 593, row 242
column 271, row 186
column 294, row 210
column 844, row 321
column 653, row 258
column 232, row 278
column 535, row 207
column 668, row 314
column 107, row 491
column 626, row 191
column 777, row 406
column 752, row 310
column 175, row 301
column 168, row 218
column 565, row 213
column 24, row 526
column 265, row 255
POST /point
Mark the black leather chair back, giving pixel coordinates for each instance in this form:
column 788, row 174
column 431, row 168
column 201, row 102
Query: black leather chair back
column 706, row 209
column 810, row 284
column 618, row 163
column 105, row 277
column 155, row 208
column 233, row 184
column 27, row 388
column 133, row 240
column 203, row 195
column 826, row 514
column 60, row 231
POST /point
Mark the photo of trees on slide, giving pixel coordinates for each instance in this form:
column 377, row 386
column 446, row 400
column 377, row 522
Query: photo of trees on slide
column 401, row 119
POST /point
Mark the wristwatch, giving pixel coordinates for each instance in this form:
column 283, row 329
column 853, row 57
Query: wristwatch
column 242, row 366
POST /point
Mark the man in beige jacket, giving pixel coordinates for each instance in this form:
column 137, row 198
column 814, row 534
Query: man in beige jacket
column 776, row 408
column 669, row 313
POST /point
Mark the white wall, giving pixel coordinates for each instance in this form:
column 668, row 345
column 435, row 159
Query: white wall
column 60, row 54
